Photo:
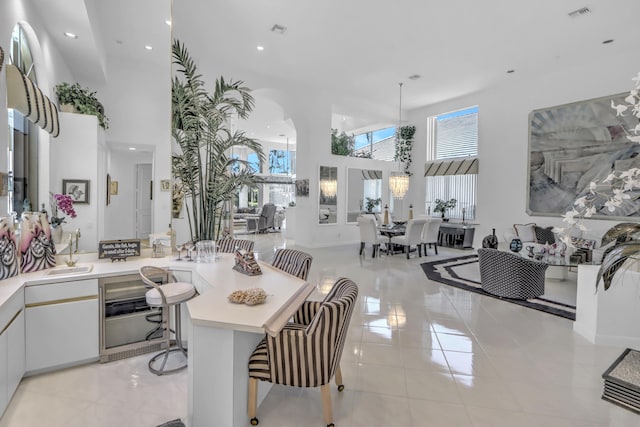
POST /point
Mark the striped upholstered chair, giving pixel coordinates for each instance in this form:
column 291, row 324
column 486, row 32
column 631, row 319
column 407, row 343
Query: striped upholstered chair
column 296, row 263
column 228, row 246
column 306, row 353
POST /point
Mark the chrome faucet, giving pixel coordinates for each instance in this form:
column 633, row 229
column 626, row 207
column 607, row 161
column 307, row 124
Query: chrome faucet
column 78, row 235
column 71, row 262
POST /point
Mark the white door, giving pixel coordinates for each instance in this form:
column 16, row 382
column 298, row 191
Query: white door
column 143, row 200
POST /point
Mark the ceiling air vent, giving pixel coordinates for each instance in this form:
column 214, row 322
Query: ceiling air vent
column 579, row 12
column 278, row 29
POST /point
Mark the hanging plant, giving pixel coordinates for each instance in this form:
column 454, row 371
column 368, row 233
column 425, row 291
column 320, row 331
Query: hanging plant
column 404, row 144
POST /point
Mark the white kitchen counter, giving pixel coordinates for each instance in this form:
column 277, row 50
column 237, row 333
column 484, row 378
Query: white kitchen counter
column 221, row 334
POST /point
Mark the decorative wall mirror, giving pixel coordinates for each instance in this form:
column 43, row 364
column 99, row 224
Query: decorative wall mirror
column 328, row 202
column 364, row 193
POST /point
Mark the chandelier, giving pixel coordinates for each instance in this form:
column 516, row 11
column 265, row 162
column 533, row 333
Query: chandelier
column 329, row 187
column 399, row 182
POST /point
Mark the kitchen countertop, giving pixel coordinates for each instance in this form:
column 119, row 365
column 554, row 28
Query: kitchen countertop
column 214, row 282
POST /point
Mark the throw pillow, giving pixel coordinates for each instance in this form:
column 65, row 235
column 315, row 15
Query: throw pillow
column 544, row 235
column 525, row 232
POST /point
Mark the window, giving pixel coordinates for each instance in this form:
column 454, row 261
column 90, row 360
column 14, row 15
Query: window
column 452, row 136
column 235, row 166
column 254, row 162
column 282, row 162
column 378, row 144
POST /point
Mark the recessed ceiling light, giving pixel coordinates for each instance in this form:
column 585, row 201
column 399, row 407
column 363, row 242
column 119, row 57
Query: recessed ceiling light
column 168, row 22
column 277, row 28
column 511, row 71
column 260, row 48
column 148, row 47
column 70, row 35
column 579, row 12
column 132, row 148
column 607, row 41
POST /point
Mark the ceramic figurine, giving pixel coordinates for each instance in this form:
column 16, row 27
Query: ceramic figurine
column 37, row 251
column 8, row 249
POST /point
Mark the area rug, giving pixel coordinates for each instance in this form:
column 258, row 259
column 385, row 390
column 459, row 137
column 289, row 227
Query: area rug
column 448, row 271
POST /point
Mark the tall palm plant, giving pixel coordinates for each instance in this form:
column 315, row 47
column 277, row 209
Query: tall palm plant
column 200, row 127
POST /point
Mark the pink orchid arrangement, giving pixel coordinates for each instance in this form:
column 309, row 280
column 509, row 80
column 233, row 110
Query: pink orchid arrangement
column 64, row 204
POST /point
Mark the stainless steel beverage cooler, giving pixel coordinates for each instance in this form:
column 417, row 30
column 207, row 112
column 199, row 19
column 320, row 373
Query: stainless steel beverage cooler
column 128, row 326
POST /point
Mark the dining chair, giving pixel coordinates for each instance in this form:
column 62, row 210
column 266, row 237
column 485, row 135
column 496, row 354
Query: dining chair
column 369, row 234
column 167, row 292
column 297, row 263
column 412, row 236
column 229, row 246
column 430, row 234
column 306, row 353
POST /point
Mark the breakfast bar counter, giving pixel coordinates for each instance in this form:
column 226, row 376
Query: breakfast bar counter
column 223, row 335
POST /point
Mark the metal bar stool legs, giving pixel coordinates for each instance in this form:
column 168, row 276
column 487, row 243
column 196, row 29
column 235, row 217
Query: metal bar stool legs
column 164, row 356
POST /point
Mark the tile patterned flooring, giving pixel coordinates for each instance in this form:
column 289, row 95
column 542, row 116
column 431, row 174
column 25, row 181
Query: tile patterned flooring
column 418, row 354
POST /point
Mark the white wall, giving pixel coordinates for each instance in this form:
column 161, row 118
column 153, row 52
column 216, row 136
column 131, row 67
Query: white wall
column 503, row 136
column 76, row 157
column 137, row 100
column 120, row 215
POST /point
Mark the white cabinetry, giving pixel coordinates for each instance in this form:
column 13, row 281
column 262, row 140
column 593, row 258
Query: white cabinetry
column 61, row 324
column 12, row 347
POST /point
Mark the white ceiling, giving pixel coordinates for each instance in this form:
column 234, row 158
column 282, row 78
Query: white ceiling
column 358, row 50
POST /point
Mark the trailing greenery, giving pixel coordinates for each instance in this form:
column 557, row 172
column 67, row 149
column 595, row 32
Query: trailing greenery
column 200, row 127
column 341, row 143
column 404, row 145
column 84, row 101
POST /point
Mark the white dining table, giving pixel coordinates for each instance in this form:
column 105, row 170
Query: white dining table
column 222, row 336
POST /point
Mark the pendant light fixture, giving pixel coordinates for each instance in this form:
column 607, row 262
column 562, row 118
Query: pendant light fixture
column 398, row 181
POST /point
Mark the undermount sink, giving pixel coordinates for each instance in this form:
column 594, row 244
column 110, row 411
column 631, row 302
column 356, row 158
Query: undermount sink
column 78, row 269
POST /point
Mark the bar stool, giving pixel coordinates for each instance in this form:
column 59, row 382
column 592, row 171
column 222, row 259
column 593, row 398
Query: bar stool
column 165, row 292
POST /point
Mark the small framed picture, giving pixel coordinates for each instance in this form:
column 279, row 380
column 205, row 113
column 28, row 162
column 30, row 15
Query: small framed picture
column 165, row 185
column 78, row 189
column 113, row 188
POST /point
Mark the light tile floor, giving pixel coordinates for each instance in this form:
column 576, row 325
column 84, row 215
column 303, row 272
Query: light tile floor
column 418, row 354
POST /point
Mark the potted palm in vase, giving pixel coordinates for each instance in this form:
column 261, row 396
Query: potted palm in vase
column 203, row 166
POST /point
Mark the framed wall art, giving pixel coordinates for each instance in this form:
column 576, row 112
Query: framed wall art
column 113, row 188
column 575, row 144
column 302, row 188
column 78, row 189
column 165, row 185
